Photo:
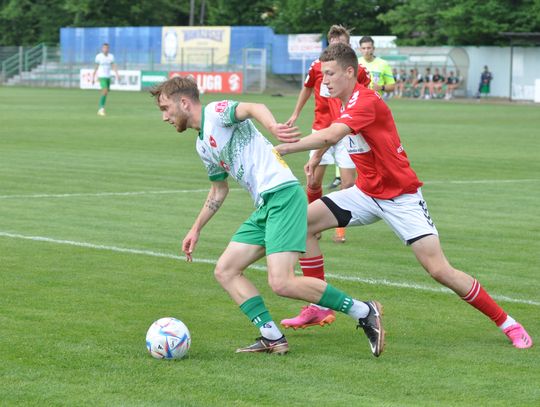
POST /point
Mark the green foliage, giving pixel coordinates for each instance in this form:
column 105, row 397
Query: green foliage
column 238, row 12
column 415, row 22
column 316, row 16
column 461, row 22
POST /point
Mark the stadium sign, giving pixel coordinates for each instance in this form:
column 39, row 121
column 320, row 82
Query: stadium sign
column 129, row 80
column 215, row 82
column 152, row 78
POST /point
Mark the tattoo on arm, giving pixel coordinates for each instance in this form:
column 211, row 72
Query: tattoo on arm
column 213, row 204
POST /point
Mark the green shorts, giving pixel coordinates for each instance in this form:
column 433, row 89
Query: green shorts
column 105, row 83
column 280, row 224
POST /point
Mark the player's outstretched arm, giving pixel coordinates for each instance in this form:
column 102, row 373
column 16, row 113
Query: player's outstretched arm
column 303, row 97
column 321, row 139
column 214, row 200
column 263, row 115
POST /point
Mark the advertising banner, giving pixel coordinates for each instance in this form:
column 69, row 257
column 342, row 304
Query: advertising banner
column 304, row 46
column 215, row 82
column 129, row 80
column 152, row 78
column 196, row 44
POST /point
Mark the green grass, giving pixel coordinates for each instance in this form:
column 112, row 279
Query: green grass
column 74, row 318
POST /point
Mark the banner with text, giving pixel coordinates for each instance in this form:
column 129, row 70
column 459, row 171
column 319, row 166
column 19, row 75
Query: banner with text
column 304, row 46
column 129, row 80
column 196, row 45
column 215, row 82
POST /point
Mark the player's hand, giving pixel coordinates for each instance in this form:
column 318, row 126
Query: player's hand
column 310, row 167
column 189, row 243
column 285, row 133
column 291, row 120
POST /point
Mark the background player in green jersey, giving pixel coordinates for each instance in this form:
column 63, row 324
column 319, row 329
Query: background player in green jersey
column 229, row 144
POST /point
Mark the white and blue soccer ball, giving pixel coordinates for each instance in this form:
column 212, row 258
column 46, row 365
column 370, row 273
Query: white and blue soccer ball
column 168, row 338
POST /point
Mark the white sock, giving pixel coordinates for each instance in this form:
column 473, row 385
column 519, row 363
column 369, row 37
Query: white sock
column 358, row 310
column 320, row 307
column 508, row 322
column 270, row 331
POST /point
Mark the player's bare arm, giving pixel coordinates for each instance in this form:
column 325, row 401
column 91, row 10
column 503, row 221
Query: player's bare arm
column 315, row 141
column 260, row 112
column 214, row 200
column 303, row 97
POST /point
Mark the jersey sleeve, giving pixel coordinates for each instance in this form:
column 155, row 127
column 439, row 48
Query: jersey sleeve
column 225, row 112
column 97, row 60
column 363, row 76
column 214, row 170
column 387, row 74
column 309, row 82
column 112, row 58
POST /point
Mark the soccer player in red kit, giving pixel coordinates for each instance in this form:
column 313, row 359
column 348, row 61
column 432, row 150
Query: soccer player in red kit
column 386, row 188
column 325, row 113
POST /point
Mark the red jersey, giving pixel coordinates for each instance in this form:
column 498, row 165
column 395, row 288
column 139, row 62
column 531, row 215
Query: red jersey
column 323, row 114
column 383, row 168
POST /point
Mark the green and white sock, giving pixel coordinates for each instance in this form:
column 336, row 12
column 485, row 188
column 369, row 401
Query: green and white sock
column 258, row 314
column 339, row 301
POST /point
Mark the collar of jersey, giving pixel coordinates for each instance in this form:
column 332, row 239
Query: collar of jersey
column 201, row 132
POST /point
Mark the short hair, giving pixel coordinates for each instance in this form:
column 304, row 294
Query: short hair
column 176, row 87
column 105, row 44
column 337, row 30
column 366, row 38
column 343, row 54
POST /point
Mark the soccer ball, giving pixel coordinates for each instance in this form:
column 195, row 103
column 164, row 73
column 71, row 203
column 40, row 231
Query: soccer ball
column 168, row 338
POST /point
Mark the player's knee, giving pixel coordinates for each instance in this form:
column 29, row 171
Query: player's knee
column 281, row 286
column 221, row 274
column 441, row 273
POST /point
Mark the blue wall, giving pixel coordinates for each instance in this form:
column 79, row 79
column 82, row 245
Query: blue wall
column 143, row 45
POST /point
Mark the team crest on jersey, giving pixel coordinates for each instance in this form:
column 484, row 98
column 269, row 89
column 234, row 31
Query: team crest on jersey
column 225, row 166
column 221, row 106
column 213, row 142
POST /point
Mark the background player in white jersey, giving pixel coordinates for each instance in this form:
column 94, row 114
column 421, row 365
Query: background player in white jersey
column 104, row 64
column 229, row 144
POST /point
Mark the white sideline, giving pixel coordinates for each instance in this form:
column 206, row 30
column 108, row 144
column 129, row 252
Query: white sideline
column 370, row 281
column 185, row 191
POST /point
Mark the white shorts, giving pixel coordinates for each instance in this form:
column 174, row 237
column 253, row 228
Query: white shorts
column 406, row 214
column 337, row 154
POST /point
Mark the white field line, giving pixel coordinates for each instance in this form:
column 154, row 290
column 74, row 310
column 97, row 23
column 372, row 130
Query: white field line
column 187, row 191
column 370, row 281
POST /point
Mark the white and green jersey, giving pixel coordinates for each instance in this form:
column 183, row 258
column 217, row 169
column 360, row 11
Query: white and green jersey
column 228, row 146
column 105, row 64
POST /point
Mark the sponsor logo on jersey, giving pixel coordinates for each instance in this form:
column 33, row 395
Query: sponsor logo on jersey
column 400, row 149
column 221, row 106
column 213, row 142
column 356, row 144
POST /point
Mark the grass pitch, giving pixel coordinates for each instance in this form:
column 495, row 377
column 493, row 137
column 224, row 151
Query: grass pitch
column 93, row 211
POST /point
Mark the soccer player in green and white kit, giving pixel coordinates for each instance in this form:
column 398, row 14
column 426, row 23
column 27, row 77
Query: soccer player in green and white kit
column 229, row 144
column 104, row 64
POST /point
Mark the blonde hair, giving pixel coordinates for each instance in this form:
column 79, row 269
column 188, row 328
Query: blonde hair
column 337, row 30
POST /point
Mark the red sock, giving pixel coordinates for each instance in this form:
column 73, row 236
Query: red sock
column 313, row 194
column 482, row 301
column 313, row 267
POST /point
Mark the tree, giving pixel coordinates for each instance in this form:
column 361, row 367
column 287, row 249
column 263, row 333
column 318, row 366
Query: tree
column 460, row 22
column 316, row 16
column 238, row 12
